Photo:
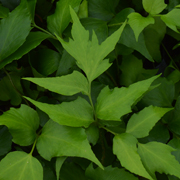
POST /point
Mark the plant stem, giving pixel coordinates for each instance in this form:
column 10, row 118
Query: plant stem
column 34, row 144
column 109, row 130
column 116, row 24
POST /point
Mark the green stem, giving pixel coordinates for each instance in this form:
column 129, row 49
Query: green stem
column 109, row 130
column 116, row 24
column 34, row 145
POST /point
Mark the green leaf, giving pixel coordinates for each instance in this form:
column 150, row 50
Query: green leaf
column 138, row 23
column 75, row 113
column 22, row 124
column 125, row 147
column 83, row 10
column 3, row 12
column 32, row 6
column 140, row 124
column 58, row 22
column 157, row 157
column 112, row 104
column 171, row 19
column 154, row 6
column 59, row 163
column 109, row 173
column 14, row 30
column 32, row 41
column 89, row 54
column 57, row 140
column 19, row 165
column 66, row 85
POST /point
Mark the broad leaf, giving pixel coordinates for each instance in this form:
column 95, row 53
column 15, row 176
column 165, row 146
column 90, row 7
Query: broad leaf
column 89, row 54
column 59, row 163
column 171, row 19
column 125, row 147
column 154, row 6
column 66, row 85
column 157, row 157
column 57, row 140
column 112, row 104
column 138, row 23
column 19, row 165
column 140, row 124
column 22, row 124
column 109, row 173
column 32, row 41
column 14, row 30
column 58, row 22
column 75, row 113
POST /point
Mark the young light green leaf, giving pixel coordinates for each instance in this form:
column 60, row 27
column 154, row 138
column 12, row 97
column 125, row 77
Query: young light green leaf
column 154, row 6
column 109, row 173
column 140, row 124
column 57, row 140
column 14, row 30
column 22, row 124
column 138, row 22
column 58, row 21
column 157, row 157
column 171, row 19
column 89, row 54
column 66, row 85
column 59, row 163
column 19, row 165
column 112, row 104
column 75, row 113
column 124, row 146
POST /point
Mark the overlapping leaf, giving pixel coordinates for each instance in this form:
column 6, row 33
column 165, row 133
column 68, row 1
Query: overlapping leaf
column 65, row 85
column 59, row 163
column 75, row 113
column 124, row 146
column 57, row 140
column 19, row 165
column 112, row 104
column 22, row 124
column 89, row 54
column 157, row 157
column 140, row 124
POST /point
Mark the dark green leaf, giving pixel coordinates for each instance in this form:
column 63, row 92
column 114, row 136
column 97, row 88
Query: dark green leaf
column 3, row 12
column 59, row 163
column 83, row 10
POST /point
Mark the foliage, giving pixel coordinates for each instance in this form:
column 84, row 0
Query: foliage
column 89, row 89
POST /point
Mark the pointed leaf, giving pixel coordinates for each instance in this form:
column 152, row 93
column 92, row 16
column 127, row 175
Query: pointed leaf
column 140, row 124
column 19, row 165
column 32, row 6
column 75, row 113
column 112, row 104
column 124, row 146
column 66, row 85
column 57, row 140
column 58, row 21
column 89, row 54
column 157, row 157
column 22, row 124
column 14, row 30
column 138, row 23
column 83, row 10
column 154, row 6
column 59, row 163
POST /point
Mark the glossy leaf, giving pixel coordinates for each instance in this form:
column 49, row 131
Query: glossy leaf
column 12, row 38
column 157, row 157
column 140, row 124
column 57, row 140
column 59, row 163
column 19, row 165
column 89, row 54
column 138, row 23
column 154, row 6
column 22, row 124
column 58, row 21
column 109, row 173
column 125, row 147
column 112, row 104
column 75, row 113
column 65, row 85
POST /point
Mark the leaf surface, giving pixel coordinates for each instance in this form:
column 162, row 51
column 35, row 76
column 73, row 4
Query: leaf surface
column 57, row 140
column 75, row 113
column 22, row 124
column 19, row 165
column 59, row 163
column 3, row 12
column 140, row 124
column 112, row 104
column 157, row 157
column 124, row 146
